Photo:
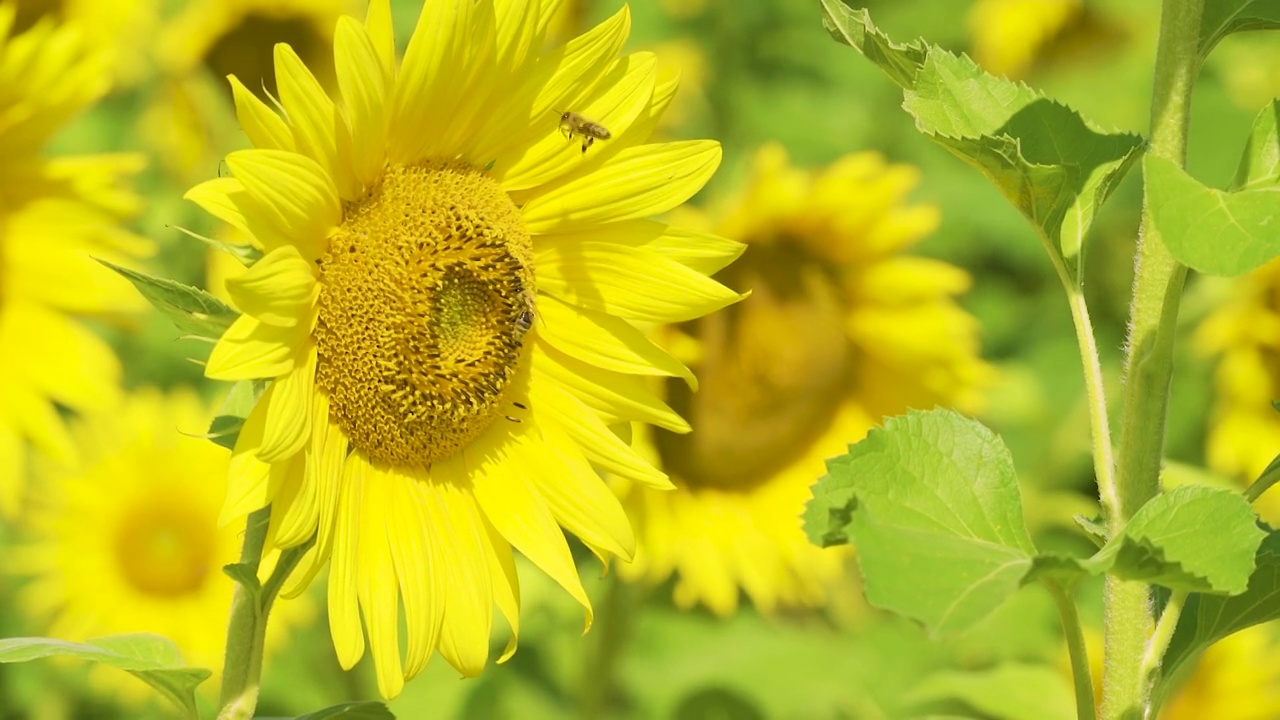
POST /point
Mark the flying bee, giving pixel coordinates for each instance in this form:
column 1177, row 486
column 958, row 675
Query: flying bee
column 572, row 122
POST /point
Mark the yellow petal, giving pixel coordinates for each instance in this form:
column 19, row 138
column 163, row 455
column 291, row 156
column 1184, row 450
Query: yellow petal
column 432, row 77
column 65, row 361
column 301, row 198
column 227, row 200
column 364, row 91
column 618, row 398
column 326, row 456
column 248, row 478
column 637, row 182
column 344, row 613
column 264, row 127
column 506, row 585
column 604, row 340
column 377, row 23
column 579, row 499
column 376, row 583
column 468, row 594
column 551, row 404
column 253, row 350
column 318, row 128
column 418, row 565
column 278, row 289
column 288, row 423
column 500, row 470
column 630, row 282
column 12, row 470
column 293, row 507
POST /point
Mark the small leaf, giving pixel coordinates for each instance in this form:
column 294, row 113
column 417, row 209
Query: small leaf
column 1206, row 619
column 245, row 574
column 1212, row 231
column 1054, row 166
column 1223, row 17
column 1192, row 538
column 225, row 428
column 1014, row 691
column 1260, row 164
column 192, row 310
column 151, row 658
column 351, row 711
column 937, row 518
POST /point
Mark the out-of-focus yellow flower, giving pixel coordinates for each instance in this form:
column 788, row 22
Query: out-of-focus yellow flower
column 1237, row 678
column 842, row 329
column 128, row 540
column 56, row 216
column 1244, row 334
column 1007, row 34
column 112, row 27
column 191, row 119
column 444, row 307
column 685, row 59
column 1249, row 64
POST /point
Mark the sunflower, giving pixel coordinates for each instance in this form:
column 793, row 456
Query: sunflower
column 128, row 539
column 1244, row 335
column 842, row 329
column 190, row 114
column 56, row 216
column 109, row 26
column 1235, row 679
column 1009, row 34
column 445, row 306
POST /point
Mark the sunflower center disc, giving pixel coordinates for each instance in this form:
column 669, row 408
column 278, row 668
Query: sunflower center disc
column 247, row 50
column 165, row 550
column 773, row 371
column 426, row 295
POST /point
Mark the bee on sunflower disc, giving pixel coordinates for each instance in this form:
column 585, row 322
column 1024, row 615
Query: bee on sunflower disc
column 572, row 122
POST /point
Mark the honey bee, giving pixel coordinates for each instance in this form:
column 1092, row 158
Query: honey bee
column 572, row 122
column 524, row 321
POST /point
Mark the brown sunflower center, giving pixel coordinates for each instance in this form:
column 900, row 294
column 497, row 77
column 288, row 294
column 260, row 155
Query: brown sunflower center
column 773, row 371
column 426, row 295
column 247, row 50
column 164, row 549
column 29, row 12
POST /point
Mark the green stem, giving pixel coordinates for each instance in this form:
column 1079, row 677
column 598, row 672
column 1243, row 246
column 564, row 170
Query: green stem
column 247, row 630
column 612, row 628
column 1081, row 673
column 1149, row 363
column 1104, row 464
column 1160, row 638
column 1270, row 476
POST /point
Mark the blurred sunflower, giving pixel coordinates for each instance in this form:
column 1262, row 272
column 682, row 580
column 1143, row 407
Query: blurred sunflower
column 1235, row 679
column 128, row 540
column 56, row 215
column 1244, row 335
column 191, row 115
column 1008, row 34
column 842, row 329
column 111, row 27
column 445, row 305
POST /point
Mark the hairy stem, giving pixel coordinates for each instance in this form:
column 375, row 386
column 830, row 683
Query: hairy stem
column 1104, row 464
column 1149, row 363
column 1159, row 642
column 1081, row 673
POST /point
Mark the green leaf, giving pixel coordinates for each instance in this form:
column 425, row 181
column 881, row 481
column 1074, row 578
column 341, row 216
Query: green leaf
column 1223, row 17
column 1206, row 619
column 351, row 711
column 225, row 428
column 1212, row 231
column 1053, row 165
column 192, row 310
column 244, row 574
column 1260, row 164
column 151, row 658
column 1015, row 691
column 937, row 518
column 1192, row 538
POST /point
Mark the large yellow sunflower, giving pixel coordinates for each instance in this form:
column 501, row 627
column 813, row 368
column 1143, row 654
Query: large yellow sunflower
column 445, row 305
column 56, row 216
column 1244, row 334
column 842, row 329
column 1235, row 679
column 128, row 539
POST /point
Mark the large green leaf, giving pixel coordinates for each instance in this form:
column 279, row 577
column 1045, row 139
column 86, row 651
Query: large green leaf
column 1215, row 232
column 1223, row 17
column 1260, row 164
column 933, row 506
column 1192, row 538
column 1014, row 691
column 1053, row 165
column 151, row 658
column 192, row 310
column 1207, row 619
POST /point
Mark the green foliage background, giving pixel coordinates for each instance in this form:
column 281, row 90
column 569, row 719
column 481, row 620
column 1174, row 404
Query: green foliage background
column 773, row 74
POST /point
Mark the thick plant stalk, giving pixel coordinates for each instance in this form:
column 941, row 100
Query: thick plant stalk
column 1149, row 364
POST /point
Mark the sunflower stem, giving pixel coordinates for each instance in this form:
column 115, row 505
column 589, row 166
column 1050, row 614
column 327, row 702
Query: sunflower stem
column 1160, row 639
column 612, row 630
column 1081, row 673
column 1148, row 368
